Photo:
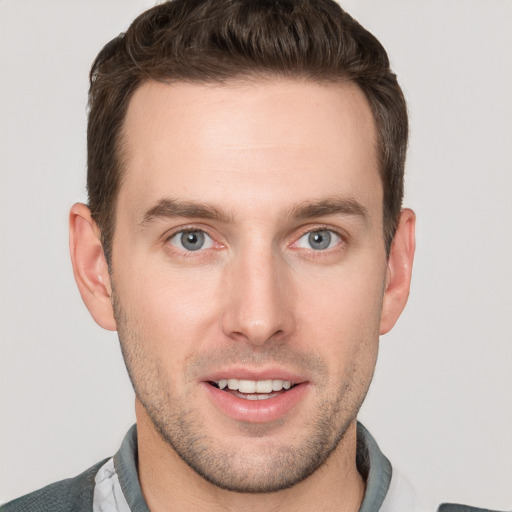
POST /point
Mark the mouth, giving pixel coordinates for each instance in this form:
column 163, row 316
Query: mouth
column 256, row 401
column 253, row 389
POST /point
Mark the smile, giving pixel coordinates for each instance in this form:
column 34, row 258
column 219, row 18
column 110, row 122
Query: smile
column 254, row 389
column 255, row 401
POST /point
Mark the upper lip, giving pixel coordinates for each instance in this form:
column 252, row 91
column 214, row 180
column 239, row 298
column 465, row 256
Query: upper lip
column 255, row 374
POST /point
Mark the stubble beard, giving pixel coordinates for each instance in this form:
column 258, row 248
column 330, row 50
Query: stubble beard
column 269, row 469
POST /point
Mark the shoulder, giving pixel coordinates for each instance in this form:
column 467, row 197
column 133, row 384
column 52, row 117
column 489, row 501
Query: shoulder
column 453, row 507
column 71, row 494
column 401, row 497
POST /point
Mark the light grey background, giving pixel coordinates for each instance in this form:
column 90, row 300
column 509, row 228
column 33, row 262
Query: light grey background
column 440, row 405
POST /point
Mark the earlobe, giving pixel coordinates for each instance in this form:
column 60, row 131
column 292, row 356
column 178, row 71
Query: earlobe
column 399, row 270
column 90, row 267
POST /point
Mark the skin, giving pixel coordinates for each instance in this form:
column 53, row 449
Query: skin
column 258, row 297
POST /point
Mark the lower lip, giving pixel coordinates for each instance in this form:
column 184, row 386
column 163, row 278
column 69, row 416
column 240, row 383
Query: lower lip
column 256, row 411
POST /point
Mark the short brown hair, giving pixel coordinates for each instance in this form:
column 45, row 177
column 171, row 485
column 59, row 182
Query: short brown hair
column 221, row 40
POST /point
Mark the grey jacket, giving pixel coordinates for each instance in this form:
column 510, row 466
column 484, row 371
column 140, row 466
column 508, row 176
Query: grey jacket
column 77, row 494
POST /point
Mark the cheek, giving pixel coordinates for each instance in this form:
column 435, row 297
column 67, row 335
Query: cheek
column 341, row 311
column 172, row 309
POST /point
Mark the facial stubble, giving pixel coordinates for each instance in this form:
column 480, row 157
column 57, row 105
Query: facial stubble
column 273, row 466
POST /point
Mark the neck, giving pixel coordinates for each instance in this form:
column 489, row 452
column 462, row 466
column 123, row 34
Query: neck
column 169, row 484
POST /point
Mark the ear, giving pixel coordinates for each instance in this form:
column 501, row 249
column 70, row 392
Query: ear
column 90, row 267
column 398, row 280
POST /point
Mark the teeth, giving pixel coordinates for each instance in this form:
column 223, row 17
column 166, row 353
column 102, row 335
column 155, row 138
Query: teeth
column 255, row 396
column 233, row 383
column 254, row 386
column 263, row 386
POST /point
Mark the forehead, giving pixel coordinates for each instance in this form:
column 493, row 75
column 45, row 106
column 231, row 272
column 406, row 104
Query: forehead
column 263, row 142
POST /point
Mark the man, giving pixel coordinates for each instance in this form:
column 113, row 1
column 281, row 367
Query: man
column 245, row 237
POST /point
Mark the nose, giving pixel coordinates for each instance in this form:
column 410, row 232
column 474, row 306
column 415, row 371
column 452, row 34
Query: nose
column 259, row 299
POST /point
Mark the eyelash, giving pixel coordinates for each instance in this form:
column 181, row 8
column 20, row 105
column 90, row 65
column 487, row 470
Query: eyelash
column 313, row 252
column 343, row 238
column 189, row 229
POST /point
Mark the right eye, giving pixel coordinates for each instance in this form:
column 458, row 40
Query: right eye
column 319, row 240
column 191, row 240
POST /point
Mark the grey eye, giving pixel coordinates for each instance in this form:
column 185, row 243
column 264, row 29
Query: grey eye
column 191, row 240
column 319, row 240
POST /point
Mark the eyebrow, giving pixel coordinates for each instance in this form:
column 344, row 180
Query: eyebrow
column 174, row 208
column 330, row 206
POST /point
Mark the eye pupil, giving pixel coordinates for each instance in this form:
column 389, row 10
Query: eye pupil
column 192, row 240
column 319, row 240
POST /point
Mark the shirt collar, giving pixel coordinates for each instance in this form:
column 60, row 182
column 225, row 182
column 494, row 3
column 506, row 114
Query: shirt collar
column 375, row 468
column 125, row 462
column 372, row 464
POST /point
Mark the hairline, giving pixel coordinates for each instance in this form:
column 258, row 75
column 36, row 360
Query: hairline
column 246, row 77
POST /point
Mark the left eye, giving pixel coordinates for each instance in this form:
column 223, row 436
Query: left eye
column 319, row 240
column 192, row 240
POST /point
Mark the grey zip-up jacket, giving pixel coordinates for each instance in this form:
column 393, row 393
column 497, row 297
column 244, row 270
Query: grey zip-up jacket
column 385, row 491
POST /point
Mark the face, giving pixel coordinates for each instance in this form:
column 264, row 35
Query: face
column 248, row 272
